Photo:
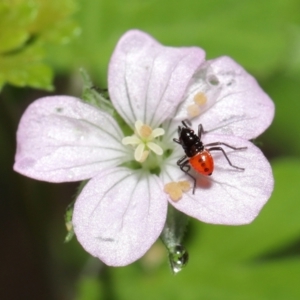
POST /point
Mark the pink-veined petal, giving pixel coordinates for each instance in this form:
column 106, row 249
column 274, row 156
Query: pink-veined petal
column 228, row 196
column 61, row 138
column 147, row 80
column 119, row 214
column 236, row 104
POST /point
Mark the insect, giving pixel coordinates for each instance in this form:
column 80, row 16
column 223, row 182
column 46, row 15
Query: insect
column 197, row 155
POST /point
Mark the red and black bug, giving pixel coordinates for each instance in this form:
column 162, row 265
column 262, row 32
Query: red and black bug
column 197, row 155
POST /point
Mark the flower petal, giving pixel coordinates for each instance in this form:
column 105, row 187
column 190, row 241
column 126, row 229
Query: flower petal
column 228, row 196
column 147, row 80
column 119, row 214
column 235, row 103
column 60, row 138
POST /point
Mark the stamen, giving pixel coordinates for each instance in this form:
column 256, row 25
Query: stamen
column 131, row 140
column 155, row 148
column 144, row 156
column 138, row 153
column 143, row 141
column 158, row 132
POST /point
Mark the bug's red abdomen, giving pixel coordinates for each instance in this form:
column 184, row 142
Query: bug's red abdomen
column 202, row 162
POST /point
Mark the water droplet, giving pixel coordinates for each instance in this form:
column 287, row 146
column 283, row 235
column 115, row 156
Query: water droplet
column 178, row 257
column 213, row 80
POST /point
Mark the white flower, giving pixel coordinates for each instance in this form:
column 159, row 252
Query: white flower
column 122, row 210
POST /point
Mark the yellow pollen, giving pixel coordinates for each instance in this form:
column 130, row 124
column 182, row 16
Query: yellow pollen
column 193, row 110
column 145, row 131
column 175, row 189
column 200, row 98
column 184, row 185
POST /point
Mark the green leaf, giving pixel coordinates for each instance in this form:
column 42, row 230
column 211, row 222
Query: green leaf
column 52, row 23
column 26, row 27
column 62, row 33
column 25, row 68
column 15, row 16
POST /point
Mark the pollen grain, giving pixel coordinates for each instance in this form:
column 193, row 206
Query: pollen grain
column 175, row 189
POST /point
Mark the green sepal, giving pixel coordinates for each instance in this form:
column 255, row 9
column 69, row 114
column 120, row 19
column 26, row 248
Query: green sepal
column 94, row 96
column 69, row 213
column 68, row 222
column 100, row 99
column 172, row 237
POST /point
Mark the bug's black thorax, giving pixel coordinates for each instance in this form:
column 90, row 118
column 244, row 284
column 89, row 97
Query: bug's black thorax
column 190, row 142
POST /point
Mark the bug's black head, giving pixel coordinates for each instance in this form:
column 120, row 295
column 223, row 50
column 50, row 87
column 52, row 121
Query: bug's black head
column 189, row 141
column 184, row 132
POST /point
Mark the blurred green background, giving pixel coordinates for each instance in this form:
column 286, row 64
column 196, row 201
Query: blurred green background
column 44, row 39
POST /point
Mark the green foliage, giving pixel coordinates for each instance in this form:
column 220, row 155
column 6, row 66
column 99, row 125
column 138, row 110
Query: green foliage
column 283, row 136
column 26, row 27
column 255, row 33
column 89, row 289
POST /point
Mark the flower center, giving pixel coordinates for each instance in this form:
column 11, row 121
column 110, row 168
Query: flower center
column 145, row 131
column 144, row 140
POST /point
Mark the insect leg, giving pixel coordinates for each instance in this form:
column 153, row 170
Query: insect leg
column 200, row 131
column 224, row 144
column 179, row 130
column 180, row 160
column 179, row 133
column 183, row 163
column 186, row 121
column 224, row 153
